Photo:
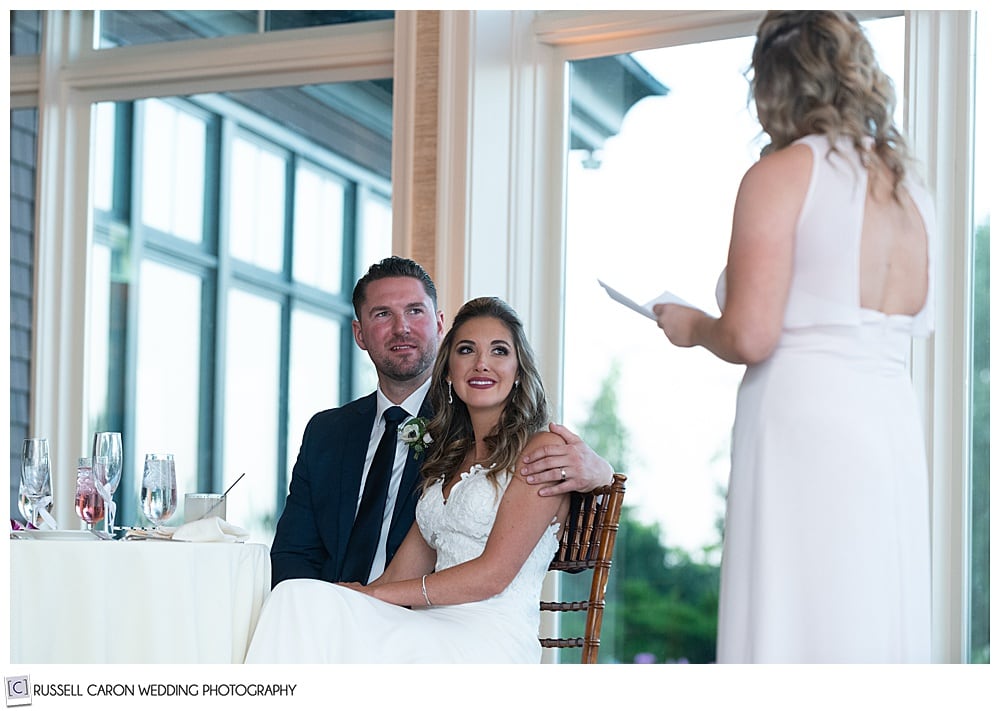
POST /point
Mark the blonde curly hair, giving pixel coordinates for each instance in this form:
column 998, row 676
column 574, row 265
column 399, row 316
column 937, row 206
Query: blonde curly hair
column 814, row 72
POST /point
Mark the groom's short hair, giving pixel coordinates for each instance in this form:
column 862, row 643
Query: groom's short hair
column 392, row 267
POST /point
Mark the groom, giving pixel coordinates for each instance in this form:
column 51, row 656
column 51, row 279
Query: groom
column 398, row 324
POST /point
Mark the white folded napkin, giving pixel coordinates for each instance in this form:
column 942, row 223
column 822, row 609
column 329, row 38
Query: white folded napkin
column 210, row 529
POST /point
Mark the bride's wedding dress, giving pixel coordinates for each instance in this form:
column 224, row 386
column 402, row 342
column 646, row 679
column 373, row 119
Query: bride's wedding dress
column 312, row 621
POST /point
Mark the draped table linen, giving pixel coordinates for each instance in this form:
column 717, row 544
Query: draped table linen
column 134, row 601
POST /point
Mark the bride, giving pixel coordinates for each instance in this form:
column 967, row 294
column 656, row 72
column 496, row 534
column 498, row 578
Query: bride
column 465, row 583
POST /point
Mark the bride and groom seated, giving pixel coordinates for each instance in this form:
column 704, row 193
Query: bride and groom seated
column 431, row 549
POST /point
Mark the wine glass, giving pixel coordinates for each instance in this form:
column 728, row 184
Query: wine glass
column 109, row 445
column 25, row 506
column 89, row 503
column 36, row 481
column 159, row 488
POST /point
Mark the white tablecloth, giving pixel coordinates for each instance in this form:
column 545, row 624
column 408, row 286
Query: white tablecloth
column 94, row 601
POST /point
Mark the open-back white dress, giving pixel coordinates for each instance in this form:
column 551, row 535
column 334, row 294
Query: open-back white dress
column 312, row 621
column 827, row 545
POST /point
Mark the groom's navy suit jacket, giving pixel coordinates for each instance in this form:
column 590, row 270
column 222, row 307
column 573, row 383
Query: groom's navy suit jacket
column 311, row 537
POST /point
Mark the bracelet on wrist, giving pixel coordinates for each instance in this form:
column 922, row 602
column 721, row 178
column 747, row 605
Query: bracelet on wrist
column 423, row 589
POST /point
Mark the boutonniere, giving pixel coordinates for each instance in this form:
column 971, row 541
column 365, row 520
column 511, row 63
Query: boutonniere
column 414, row 432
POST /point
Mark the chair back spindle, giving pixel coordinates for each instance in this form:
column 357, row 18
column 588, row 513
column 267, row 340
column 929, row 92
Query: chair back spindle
column 587, row 543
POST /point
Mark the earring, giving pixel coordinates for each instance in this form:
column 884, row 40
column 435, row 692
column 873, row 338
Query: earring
column 517, row 382
column 449, row 392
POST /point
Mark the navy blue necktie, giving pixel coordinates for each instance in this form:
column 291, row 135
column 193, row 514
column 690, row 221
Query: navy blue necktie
column 368, row 523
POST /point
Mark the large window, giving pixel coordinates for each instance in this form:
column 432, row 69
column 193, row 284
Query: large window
column 647, row 212
column 222, row 272
column 649, row 207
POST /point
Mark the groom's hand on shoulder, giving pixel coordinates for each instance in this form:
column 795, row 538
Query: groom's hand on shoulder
column 565, row 467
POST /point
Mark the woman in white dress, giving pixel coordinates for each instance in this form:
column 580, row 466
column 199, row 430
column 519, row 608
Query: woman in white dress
column 465, row 583
column 827, row 549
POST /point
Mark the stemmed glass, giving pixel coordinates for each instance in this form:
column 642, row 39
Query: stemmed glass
column 159, row 488
column 25, row 505
column 109, row 446
column 89, row 503
column 36, row 481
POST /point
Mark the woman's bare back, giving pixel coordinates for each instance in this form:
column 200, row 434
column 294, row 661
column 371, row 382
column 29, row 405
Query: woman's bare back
column 893, row 249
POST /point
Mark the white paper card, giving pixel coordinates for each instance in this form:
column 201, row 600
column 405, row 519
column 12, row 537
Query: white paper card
column 646, row 309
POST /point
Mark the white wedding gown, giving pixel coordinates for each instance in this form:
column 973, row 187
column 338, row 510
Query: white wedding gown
column 312, row 621
column 827, row 544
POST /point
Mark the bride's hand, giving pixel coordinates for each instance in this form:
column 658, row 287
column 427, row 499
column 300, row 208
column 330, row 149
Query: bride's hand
column 366, row 589
column 372, row 588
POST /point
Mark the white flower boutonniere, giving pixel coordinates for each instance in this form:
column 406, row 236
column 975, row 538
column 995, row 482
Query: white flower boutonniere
column 414, row 432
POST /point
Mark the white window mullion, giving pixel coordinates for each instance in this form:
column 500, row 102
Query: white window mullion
column 940, row 81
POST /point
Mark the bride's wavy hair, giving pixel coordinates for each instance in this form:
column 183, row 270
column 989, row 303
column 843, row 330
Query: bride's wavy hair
column 525, row 412
column 814, row 72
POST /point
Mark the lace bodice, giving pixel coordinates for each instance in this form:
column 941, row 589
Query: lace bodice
column 458, row 531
